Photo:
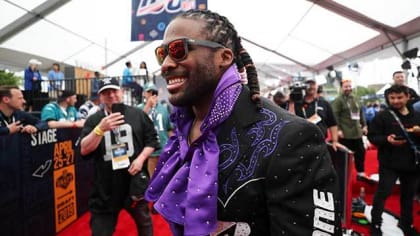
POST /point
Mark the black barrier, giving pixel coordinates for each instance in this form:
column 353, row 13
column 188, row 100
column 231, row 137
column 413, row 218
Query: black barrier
column 44, row 184
column 342, row 160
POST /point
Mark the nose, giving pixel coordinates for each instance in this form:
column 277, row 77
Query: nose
column 167, row 64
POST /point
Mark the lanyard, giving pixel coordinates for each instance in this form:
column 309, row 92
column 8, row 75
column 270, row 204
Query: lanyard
column 5, row 120
column 349, row 106
column 304, row 109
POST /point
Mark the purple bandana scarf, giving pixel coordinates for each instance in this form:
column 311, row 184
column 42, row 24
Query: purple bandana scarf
column 184, row 186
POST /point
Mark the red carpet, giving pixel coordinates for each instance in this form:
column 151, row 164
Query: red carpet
column 393, row 202
column 126, row 225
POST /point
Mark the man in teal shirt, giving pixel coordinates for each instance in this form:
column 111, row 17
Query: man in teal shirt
column 62, row 114
column 160, row 117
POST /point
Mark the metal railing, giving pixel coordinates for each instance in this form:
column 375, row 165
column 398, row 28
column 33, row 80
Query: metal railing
column 83, row 87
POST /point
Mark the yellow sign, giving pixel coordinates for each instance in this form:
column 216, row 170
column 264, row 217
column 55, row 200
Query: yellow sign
column 64, row 185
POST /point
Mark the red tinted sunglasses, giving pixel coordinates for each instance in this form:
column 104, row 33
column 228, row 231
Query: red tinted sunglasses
column 178, row 48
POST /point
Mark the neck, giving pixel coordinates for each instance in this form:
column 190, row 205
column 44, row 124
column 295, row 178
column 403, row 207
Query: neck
column 201, row 109
column 63, row 105
column 6, row 110
column 309, row 98
column 404, row 111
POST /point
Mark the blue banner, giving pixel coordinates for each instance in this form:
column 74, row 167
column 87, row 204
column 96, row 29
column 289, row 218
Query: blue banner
column 149, row 18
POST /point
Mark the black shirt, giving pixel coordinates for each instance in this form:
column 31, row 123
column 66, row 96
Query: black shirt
column 111, row 187
column 323, row 109
column 384, row 124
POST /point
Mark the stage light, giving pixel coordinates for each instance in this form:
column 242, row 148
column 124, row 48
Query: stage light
column 406, row 65
column 411, row 54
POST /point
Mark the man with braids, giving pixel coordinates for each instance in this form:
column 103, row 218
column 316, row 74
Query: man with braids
column 237, row 163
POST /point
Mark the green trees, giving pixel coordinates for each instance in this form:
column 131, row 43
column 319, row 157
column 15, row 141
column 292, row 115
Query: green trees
column 7, row 78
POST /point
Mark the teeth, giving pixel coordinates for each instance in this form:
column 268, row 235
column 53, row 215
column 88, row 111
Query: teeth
column 175, row 80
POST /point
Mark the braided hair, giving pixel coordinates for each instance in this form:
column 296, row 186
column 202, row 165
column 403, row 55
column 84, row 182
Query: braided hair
column 219, row 29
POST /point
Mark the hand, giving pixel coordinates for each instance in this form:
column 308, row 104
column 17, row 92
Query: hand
column 314, row 119
column 14, row 127
column 394, row 142
column 30, row 129
column 334, row 145
column 111, row 121
column 34, row 78
column 80, row 123
column 135, row 166
column 152, row 101
column 340, row 134
column 365, row 130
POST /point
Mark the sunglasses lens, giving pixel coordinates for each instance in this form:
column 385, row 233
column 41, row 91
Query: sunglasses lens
column 176, row 50
column 160, row 54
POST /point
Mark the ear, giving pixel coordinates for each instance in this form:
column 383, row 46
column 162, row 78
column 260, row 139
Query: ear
column 5, row 99
column 226, row 57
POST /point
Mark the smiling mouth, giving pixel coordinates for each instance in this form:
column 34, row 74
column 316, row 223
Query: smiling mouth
column 173, row 81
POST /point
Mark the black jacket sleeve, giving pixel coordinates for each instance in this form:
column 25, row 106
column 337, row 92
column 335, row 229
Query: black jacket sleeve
column 377, row 127
column 302, row 186
column 28, row 119
column 4, row 130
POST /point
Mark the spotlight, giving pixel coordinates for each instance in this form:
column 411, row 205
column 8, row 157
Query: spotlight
column 353, row 66
column 406, row 65
column 411, row 54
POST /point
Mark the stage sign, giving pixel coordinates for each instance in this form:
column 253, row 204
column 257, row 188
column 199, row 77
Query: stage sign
column 64, row 185
column 149, row 18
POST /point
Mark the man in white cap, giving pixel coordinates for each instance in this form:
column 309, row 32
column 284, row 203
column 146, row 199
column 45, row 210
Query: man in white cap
column 119, row 138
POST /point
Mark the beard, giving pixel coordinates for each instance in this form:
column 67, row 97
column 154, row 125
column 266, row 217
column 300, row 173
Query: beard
column 199, row 87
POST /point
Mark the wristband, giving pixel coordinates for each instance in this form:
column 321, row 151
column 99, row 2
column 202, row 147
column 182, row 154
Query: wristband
column 98, row 131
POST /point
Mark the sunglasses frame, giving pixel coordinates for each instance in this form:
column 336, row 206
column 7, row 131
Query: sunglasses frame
column 187, row 42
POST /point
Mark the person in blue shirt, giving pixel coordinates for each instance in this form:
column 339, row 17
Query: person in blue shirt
column 127, row 75
column 56, row 78
column 32, row 82
column 94, row 84
column 129, row 82
column 62, row 114
column 12, row 118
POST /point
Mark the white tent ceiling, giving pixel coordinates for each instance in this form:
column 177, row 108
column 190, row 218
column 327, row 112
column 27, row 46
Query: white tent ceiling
column 93, row 33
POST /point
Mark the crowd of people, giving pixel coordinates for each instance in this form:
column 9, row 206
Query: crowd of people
column 384, row 126
column 223, row 145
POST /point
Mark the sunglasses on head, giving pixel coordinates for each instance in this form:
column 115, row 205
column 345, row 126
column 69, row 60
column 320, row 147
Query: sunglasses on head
column 178, row 48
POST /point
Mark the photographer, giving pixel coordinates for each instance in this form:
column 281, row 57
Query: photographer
column 305, row 103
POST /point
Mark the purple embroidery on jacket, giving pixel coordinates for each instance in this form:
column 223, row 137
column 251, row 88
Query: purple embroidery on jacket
column 265, row 135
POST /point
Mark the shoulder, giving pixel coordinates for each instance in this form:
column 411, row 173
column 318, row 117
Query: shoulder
column 290, row 123
column 52, row 106
column 140, row 106
column 72, row 109
column 134, row 112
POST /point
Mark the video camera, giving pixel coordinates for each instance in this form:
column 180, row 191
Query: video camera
column 297, row 91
